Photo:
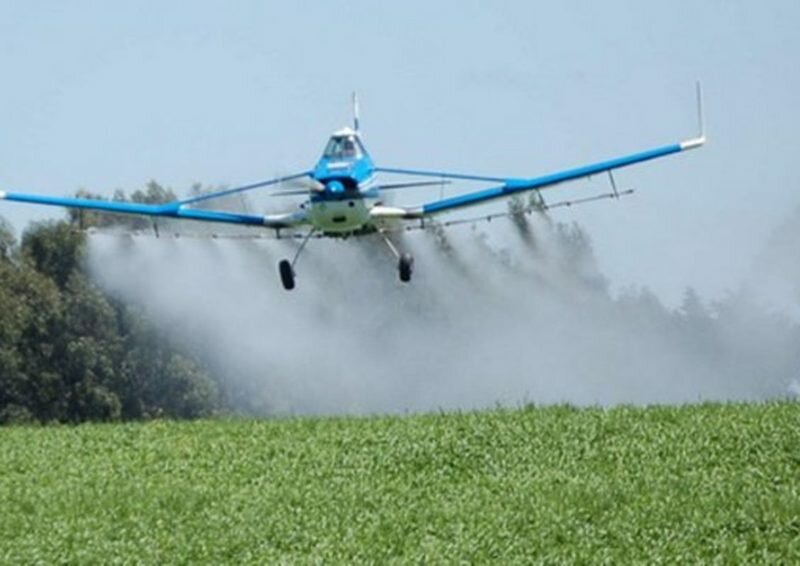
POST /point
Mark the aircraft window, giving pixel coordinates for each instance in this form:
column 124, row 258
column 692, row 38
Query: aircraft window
column 342, row 147
column 349, row 147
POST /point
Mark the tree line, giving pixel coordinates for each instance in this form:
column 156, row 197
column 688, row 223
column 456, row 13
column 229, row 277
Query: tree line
column 69, row 352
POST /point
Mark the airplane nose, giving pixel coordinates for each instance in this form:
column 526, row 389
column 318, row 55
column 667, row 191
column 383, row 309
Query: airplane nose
column 336, row 187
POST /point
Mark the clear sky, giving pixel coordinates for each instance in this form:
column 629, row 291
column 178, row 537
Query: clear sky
column 106, row 95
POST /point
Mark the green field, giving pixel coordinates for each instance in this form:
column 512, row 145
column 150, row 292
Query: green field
column 552, row 484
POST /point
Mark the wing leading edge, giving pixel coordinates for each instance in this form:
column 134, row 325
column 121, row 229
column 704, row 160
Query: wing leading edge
column 514, row 186
column 176, row 209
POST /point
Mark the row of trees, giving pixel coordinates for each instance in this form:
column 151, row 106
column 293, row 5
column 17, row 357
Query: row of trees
column 70, row 352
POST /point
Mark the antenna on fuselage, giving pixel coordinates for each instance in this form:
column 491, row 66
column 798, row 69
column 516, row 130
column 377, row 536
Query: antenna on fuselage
column 355, row 111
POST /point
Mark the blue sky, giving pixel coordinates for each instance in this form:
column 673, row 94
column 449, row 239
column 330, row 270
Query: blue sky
column 103, row 95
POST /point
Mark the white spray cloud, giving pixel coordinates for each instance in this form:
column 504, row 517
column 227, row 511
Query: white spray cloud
column 775, row 275
column 491, row 317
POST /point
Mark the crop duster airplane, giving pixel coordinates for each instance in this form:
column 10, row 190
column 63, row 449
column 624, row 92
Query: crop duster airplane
column 344, row 195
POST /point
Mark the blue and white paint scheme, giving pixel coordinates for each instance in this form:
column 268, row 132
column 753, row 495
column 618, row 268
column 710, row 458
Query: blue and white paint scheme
column 344, row 193
column 345, row 177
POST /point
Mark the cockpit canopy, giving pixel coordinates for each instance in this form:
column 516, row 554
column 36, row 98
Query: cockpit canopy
column 343, row 146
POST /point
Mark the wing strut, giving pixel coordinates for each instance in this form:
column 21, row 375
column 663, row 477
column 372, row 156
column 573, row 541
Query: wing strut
column 511, row 186
column 178, row 208
column 613, row 183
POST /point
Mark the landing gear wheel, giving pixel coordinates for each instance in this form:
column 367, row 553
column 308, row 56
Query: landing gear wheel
column 405, row 267
column 287, row 274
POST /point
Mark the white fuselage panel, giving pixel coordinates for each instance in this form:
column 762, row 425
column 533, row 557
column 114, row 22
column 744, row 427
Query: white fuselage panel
column 340, row 216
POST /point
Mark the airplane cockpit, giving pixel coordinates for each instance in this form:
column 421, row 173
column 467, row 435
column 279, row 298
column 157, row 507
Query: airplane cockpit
column 343, row 146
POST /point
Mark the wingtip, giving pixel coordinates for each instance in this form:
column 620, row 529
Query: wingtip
column 2, row 195
column 701, row 121
column 693, row 143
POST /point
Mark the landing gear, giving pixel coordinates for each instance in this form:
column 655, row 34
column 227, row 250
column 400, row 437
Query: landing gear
column 405, row 262
column 405, row 266
column 286, row 267
column 287, row 274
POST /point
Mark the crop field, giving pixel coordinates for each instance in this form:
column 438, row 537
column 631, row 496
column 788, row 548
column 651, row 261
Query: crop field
column 556, row 484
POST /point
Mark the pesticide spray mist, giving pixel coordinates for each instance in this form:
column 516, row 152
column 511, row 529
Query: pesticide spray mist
column 506, row 313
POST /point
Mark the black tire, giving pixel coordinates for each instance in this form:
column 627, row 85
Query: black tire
column 405, row 267
column 287, row 274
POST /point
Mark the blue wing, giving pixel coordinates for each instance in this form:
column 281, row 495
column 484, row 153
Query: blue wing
column 511, row 186
column 176, row 209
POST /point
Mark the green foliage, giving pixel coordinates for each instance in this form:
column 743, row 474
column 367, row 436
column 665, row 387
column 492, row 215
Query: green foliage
column 54, row 249
column 30, row 315
column 84, row 219
column 7, row 240
column 153, row 193
column 697, row 484
column 69, row 353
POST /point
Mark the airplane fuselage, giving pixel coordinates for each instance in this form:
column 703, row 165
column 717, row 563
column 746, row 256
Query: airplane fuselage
column 345, row 175
column 340, row 217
